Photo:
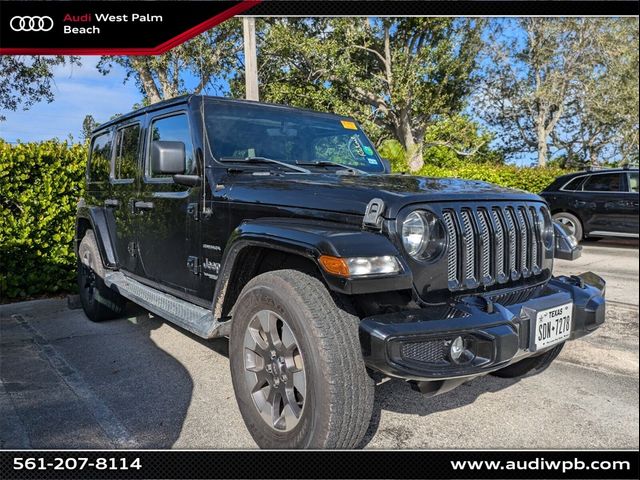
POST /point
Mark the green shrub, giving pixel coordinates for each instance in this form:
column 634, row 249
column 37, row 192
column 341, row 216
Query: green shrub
column 531, row 179
column 484, row 165
column 40, row 184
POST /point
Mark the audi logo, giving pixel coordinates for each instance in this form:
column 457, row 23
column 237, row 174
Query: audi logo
column 31, row 24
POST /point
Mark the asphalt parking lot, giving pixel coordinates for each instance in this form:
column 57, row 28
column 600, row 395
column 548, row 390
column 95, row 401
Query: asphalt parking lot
column 140, row 382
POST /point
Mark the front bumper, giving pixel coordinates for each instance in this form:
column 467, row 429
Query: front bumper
column 498, row 334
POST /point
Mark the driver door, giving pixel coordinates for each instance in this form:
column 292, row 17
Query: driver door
column 167, row 213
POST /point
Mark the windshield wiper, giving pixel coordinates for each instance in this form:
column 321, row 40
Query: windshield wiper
column 264, row 160
column 326, row 163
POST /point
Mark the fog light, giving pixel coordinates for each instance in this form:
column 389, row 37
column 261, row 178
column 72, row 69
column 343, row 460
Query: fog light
column 456, row 350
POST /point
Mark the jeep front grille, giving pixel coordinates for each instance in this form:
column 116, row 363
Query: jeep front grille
column 495, row 244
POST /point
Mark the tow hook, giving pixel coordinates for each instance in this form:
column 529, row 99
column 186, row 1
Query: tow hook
column 480, row 301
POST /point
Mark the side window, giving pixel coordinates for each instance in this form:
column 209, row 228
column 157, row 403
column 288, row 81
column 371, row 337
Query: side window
column 172, row 129
column 574, row 184
column 127, row 149
column 100, row 158
column 606, row 182
column 633, row 182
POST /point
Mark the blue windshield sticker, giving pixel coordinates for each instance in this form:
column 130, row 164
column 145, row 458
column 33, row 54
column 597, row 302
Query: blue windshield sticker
column 372, row 161
column 368, row 150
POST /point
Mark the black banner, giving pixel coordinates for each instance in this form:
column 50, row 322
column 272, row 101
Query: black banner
column 151, row 28
column 318, row 464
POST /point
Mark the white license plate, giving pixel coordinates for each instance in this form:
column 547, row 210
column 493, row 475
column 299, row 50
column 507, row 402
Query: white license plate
column 553, row 325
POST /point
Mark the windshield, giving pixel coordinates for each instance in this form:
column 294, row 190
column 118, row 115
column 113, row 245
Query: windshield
column 239, row 130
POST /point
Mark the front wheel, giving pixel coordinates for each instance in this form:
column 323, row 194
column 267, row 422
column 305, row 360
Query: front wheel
column 535, row 364
column 296, row 365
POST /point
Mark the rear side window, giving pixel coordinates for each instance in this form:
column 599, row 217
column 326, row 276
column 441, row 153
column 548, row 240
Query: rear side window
column 605, row 182
column 100, row 157
column 127, row 151
column 633, row 182
column 574, row 184
column 172, row 129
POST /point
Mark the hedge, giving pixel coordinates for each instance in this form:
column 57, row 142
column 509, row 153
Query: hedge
column 532, row 179
column 40, row 184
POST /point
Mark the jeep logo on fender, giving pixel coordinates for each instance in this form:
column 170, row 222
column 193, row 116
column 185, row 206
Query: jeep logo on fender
column 31, row 24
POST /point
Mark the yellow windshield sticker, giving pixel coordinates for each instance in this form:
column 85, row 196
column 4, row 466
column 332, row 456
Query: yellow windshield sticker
column 348, row 124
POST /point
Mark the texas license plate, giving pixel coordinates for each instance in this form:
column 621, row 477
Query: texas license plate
column 553, row 325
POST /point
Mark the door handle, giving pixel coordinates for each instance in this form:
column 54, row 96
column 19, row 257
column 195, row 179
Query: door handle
column 111, row 203
column 139, row 205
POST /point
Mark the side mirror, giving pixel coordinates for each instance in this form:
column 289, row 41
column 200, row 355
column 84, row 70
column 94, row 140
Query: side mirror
column 567, row 247
column 387, row 165
column 168, row 157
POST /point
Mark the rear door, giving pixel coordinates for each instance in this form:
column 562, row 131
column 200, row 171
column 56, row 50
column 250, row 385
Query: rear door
column 167, row 212
column 125, row 183
column 607, row 202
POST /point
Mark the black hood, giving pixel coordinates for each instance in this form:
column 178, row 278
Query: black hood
column 350, row 194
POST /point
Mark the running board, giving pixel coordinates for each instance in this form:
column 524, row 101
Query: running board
column 196, row 319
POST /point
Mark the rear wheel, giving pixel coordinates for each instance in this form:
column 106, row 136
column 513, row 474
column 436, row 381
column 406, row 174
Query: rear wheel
column 535, row 364
column 296, row 365
column 570, row 221
column 99, row 302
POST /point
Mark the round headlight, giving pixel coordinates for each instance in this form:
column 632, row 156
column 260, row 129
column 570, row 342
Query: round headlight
column 414, row 231
column 423, row 235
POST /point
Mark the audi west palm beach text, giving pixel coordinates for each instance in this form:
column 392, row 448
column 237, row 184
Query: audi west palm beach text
column 283, row 230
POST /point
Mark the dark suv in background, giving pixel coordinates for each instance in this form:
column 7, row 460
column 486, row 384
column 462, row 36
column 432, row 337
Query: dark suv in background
column 602, row 203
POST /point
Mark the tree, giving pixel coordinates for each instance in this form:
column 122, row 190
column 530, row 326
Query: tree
column 545, row 84
column 212, row 54
column 601, row 125
column 89, row 124
column 396, row 75
column 26, row 80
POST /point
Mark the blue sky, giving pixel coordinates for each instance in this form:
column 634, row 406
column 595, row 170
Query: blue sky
column 78, row 91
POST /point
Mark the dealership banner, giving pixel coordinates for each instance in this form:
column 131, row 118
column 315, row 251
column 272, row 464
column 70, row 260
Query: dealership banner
column 318, row 464
column 152, row 28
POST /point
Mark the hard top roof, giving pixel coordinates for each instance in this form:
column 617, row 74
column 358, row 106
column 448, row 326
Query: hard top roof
column 186, row 99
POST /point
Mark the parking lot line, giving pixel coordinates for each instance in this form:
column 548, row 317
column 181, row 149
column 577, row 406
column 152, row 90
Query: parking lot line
column 108, row 422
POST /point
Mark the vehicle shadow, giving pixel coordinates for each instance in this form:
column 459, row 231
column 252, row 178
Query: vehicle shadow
column 160, row 389
column 397, row 396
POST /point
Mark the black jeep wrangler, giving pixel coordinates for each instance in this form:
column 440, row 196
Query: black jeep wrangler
column 284, row 230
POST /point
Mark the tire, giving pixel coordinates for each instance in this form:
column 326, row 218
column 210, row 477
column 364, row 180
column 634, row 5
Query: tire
column 571, row 221
column 534, row 365
column 334, row 403
column 99, row 302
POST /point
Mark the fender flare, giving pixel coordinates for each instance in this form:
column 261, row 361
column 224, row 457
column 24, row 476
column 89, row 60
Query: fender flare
column 99, row 224
column 310, row 240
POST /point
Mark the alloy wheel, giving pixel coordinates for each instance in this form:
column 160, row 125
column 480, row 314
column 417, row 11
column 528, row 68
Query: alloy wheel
column 274, row 370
